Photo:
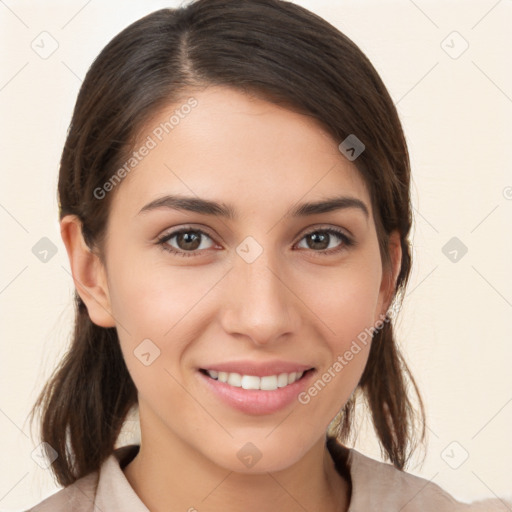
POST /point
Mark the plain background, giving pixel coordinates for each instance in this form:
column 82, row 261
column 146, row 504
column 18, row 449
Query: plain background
column 456, row 108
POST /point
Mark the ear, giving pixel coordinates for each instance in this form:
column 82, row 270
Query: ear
column 89, row 274
column 390, row 273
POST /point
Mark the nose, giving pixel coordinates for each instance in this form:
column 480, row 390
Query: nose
column 260, row 304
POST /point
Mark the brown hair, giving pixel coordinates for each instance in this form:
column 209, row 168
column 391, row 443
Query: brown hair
column 283, row 53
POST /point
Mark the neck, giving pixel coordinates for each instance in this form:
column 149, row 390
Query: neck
column 169, row 475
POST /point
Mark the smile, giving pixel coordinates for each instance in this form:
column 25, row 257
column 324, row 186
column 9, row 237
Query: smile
column 267, row 383
column 262, row 394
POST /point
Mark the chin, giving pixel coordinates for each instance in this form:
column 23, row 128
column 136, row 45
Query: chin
column 260, row 456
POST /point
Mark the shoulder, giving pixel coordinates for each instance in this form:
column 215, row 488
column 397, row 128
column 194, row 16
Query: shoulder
column 101, row 490
column 380, row 486
column 79, row 497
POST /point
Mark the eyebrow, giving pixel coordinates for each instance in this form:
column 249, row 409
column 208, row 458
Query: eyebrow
column 208, row 207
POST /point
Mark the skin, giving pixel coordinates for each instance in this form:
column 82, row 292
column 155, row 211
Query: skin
column 294, row 302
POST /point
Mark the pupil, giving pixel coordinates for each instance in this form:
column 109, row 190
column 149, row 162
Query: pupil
column 189, row 239
column 323, row 238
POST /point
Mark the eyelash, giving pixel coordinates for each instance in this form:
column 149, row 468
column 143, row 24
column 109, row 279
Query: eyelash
column 162, row 241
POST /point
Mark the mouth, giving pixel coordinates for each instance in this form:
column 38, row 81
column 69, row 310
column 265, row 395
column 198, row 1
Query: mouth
column 262, row 383
column 256, row 388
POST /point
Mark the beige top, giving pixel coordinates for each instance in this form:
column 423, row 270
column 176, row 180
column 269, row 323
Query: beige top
column 374, row 486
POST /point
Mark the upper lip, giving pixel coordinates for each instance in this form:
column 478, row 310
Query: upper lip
column 260, row 369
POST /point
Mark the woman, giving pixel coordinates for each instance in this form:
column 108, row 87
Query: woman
column 234, row 194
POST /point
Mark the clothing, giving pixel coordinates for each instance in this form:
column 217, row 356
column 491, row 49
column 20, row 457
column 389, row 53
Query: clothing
column 376, row 486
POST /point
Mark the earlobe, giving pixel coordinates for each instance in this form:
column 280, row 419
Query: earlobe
column 88, row 272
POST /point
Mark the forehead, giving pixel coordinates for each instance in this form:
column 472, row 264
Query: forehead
column 222, row 143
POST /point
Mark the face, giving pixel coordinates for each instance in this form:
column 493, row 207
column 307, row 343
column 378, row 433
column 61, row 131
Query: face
column 271, row 289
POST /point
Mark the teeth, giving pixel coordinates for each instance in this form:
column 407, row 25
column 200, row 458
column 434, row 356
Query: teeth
column 267, row 383
column 282, row 380
column 235, row 379
column 250, row 382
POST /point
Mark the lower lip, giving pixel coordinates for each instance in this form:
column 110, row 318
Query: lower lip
column 257, row 401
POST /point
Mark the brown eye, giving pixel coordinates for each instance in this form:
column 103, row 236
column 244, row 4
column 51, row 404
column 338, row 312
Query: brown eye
column 320, row 240
column 188, row 242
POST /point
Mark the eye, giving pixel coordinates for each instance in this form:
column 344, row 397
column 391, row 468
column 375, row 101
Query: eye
column 188, row 241
column 320, row 240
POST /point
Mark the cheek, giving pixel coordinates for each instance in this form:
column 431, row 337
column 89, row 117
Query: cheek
column 159, row 304
column 346, row 301
column 150, row 299
column 147, row 308
column 347, row 310
column 348, row 338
